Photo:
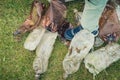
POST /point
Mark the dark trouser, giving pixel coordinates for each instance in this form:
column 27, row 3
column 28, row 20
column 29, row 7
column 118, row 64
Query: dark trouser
column 70, row 33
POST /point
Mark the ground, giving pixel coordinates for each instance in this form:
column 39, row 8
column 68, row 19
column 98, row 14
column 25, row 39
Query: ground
column 16, row 62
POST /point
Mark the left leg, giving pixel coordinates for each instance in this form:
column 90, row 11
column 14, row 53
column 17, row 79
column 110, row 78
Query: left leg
column 80, row 46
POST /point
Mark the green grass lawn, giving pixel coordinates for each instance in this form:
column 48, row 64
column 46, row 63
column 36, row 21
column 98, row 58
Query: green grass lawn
column 16, row 62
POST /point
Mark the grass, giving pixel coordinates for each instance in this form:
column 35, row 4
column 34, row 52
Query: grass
column 16, row 62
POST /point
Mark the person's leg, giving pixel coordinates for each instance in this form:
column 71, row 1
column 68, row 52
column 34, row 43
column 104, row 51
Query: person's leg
column 43, row 53
column 80, row 46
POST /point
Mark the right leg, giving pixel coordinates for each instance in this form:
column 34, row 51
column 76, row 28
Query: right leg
column 43, row 53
